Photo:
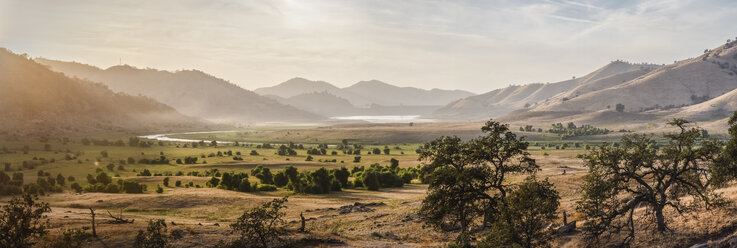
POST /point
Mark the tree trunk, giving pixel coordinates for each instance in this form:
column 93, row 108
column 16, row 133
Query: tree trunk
column 94, row 232
column 660, row 219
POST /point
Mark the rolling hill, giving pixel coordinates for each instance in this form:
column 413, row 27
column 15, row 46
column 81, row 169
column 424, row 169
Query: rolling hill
column 366, row 93
column 191, row 92
column 701, row 89
column 37, row 101
column 714, row 109
column 684, row 83
column 517, row 97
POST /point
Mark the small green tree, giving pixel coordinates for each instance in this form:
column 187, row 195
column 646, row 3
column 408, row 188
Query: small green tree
column 280, row 179
column 263, row 173
column 530, row 209
column 61, row 180
column 726, row 168
column 619, row 107
column 154, row 236
column 244, row 185
column 22, row 220
column 260, row 226
column 341, row 175
column 370, row 180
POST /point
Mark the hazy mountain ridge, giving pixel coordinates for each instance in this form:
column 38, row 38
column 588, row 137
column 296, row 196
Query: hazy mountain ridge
column 327, row 104
column 191, row 92
column 503, row 101
column 36, row 100
column 322, row 103
column 366, row 93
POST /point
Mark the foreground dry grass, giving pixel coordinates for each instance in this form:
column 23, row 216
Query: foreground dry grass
column 203, row 215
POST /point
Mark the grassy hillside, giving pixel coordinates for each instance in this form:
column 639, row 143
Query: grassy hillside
column 680, row 84
column 516, row 97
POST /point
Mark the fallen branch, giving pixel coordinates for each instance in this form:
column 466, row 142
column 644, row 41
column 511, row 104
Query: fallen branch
column 119, row 220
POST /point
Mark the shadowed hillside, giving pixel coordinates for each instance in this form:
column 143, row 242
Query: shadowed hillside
column 35, row 100
column 191, row 92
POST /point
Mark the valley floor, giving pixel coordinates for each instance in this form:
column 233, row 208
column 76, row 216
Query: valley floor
column 200, row 216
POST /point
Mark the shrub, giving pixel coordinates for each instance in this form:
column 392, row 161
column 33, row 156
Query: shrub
column 145, row 173
column 159, row 189
column 132, row 187
column 263, row 174
column 154, row 236
column 22, row 221
column 370, row 179
column 70, row 238
column 280, row 179
column 341, row 175
column 532, row 207
column 260, row 226
column 76, row 187
column 266, row 187
column 244, row 185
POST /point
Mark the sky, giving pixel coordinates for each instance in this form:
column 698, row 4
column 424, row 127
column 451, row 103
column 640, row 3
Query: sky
column 471, row 45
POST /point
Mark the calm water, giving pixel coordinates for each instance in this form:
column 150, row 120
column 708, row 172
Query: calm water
column 165, row 137
column 385, row 118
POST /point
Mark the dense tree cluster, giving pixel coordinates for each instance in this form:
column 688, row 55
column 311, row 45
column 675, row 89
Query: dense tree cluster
column 376, row 176
column 160, row 160
column 104, row 183
column 286, row 151
column 11, row 185
column 315, row 151
column 570, row 130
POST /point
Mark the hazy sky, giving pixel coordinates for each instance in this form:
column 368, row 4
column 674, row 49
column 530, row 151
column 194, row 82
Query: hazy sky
column 473, row 45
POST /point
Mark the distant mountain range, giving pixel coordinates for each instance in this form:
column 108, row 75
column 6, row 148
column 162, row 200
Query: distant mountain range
column 366, row 93
column 190, row 92
column 701, row 88
column 37, row 101
column 327, row 104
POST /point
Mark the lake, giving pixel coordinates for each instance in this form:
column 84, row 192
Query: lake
column 385, row 118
